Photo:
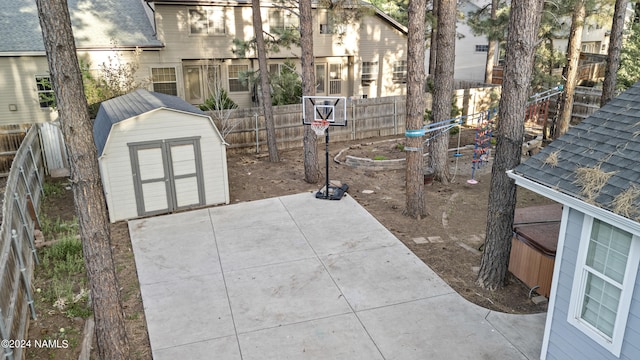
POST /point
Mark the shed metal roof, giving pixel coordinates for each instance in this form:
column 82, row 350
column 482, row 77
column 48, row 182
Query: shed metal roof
column 605, row 144
column 130, row 105
column 96, row 24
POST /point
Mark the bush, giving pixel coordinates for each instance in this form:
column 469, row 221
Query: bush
column 219, row 100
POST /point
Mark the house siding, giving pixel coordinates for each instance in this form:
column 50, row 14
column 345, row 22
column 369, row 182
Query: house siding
column 19, row 88
column 152, row 126
column 369, row 39
column 565, row 340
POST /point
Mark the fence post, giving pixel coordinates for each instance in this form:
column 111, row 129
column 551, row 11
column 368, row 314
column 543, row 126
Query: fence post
column 395, row 115
column 23, row 272
column 35, row 168
column 8, row 352
column 23, row 220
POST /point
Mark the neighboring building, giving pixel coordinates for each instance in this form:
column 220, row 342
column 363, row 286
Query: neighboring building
column 102, row 31
column 593, row 170
column 183, row 46
column 471, row 50
column 368, row 61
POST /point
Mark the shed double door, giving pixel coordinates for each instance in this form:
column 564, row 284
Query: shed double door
column 167, row 175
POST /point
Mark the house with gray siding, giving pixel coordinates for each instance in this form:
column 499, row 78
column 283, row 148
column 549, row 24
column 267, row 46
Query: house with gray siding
column 594, row 171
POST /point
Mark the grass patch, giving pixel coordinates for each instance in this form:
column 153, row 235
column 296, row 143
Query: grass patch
column 53, row 188
column 53, row 228
column 63, row 272
column 380, row 157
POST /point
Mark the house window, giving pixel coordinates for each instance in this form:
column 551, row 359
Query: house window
column 321, row 78
column 400, row 72
column 46, row 97
column 280, row 19
column 323, row 20
column 328, row 24
column 482, row 48
column 335, row 79
column 206, row 21
column 164, row 80
column 200, row 81
column 369, row 72
column 605, row 274
column 235, row 84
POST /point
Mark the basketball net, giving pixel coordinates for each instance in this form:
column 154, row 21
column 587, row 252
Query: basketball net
column 319, row 126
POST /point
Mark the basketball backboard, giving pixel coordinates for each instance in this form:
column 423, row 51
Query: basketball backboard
column 324, row 108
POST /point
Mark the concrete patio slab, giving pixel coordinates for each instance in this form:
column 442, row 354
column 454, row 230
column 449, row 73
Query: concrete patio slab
column 283, row 294
column 522, row 331
column 223, row 348
column 441, row 327
column 383, row 276
column 258, row 246
column 156, row 242
column 187, row 310
column 300, row 278
column 337, row 337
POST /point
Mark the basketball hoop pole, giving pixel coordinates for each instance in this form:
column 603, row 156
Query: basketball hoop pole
column 326, row 159
column 324, row 115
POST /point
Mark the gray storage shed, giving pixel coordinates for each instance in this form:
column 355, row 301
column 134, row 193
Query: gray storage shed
column 158, row 154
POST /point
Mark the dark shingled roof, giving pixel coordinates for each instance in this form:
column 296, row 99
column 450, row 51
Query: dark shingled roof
column 133, row 104
column 96, row 24
column 609, row 139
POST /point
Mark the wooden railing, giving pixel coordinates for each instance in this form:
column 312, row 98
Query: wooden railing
column 21, row 202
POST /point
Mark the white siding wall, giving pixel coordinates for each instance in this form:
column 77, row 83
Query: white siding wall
column 371, row 38
column 18, row 88
column 158, row 125
column 386, row 45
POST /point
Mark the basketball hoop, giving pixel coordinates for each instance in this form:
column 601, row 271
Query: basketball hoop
column 319, row 126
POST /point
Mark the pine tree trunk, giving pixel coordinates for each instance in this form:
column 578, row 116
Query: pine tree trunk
column 613, row 56
column 415, row 108
column 493, row 46
column 310, row 141
column 265, row 91
column 570, row 72
column 433, row 49
column 443, row 87
column 85, row 177
column 521, row 42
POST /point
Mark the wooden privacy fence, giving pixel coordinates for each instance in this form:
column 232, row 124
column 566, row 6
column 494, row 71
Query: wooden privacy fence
column 245, row 128
column 365, row 118
column 10, row 139
column 22, row 198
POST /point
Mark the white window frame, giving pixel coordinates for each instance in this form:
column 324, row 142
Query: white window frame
column 482, row 48
column 230, row 79
column 164, row 81
column 399, row 76
column 335, row 79
column 321, row 78
column 213, row 24
column 366, row 78
column 614, row 343
column 282, row 19
column 44, row 89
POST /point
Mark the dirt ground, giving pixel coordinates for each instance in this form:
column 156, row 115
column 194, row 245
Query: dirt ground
column 457, row 212
column 451, row 234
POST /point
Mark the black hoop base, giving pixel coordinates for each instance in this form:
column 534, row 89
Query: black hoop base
column 333, row 193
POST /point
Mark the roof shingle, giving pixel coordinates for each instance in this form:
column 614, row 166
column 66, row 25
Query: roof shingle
column 609, row 139
column 96, row 24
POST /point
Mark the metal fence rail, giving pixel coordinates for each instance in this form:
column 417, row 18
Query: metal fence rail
column 22, row 197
